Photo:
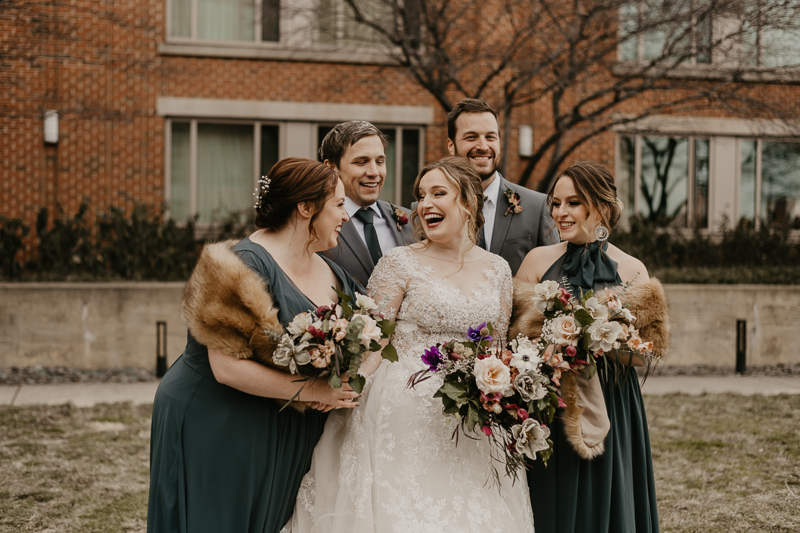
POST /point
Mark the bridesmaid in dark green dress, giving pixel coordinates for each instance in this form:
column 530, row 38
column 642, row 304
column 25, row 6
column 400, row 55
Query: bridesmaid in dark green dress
column 615, row 492
column 223, row 457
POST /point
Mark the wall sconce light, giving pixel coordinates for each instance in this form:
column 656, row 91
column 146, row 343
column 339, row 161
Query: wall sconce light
column 51, row 126
column 525, row 141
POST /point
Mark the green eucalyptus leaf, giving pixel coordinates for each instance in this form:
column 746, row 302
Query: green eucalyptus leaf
column 357, row 383
column 389, row 353
column 387, row 327
column 583, row 318
column 335, row 381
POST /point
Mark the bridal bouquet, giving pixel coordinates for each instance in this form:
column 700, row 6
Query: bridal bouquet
column 506, row 392
column 332, row 340
column 576, row 332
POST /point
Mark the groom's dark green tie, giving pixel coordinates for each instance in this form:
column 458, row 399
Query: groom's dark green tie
column 370, row 235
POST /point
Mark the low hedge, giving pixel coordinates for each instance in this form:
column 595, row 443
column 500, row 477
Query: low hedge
column 143, row 245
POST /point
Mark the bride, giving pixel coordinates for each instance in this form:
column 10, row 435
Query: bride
column 391, row 465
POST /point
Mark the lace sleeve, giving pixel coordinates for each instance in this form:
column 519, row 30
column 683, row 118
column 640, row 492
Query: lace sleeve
column 387, row 285
column 506, row 287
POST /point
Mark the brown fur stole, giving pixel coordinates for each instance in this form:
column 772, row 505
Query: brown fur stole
column 227, row 306
column 646, row 302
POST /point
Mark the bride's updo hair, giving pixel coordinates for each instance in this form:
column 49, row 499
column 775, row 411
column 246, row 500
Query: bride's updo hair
column 293, row 180
column 462, row 174
column 595, row 187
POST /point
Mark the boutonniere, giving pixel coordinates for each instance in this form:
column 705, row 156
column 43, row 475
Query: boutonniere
column 400, row 217
column 515, row 200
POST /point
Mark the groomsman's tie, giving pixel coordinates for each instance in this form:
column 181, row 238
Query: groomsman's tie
column 482, row 239
column 370, row 235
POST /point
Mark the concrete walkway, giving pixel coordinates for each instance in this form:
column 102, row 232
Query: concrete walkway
column 88, row 394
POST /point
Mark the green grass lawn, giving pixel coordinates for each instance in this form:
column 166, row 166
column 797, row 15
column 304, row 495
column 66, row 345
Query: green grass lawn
column 723, row 463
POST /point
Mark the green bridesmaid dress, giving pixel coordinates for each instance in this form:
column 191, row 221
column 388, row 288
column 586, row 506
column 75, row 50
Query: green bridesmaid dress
column 613, row 493
column 222, row 460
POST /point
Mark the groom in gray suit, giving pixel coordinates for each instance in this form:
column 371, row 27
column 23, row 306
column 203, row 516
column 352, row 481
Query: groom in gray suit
column 357, row 150
column 517, row 219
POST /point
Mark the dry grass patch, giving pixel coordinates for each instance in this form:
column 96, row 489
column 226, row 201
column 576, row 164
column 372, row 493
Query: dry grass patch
column 723, row 463
column 726, row 463
column 74, row 470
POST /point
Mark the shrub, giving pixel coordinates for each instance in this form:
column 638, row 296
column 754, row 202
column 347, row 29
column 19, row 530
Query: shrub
column 66, row 248
column 12, row 231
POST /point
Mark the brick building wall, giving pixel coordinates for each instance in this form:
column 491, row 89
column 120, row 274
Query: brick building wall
column 101, row 65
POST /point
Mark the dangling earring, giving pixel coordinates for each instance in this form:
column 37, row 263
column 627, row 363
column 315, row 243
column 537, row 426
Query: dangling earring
column 601, row 232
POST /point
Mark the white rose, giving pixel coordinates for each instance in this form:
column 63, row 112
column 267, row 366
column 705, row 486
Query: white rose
column 604, row 335
column 300, row 324
column 597, row 310
column 492, row 376
column 545, row 295
column 371, row 331
column 365, row 302
column 565, row 331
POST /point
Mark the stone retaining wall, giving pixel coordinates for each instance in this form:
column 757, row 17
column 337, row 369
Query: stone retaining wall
column 105, row 325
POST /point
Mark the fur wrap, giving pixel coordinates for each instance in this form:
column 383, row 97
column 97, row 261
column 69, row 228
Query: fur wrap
column 648, row 304
column 227, row 306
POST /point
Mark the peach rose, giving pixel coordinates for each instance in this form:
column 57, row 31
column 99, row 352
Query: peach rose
column 492, row 376
column 371, row 331
column 565, row 331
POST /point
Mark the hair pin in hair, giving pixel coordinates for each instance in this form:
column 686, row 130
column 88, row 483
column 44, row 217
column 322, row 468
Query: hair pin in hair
column 261, row 189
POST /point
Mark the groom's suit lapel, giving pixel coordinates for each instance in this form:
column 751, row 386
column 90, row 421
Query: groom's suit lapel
column 388, row 215
column 501, row 222
column 349, row 237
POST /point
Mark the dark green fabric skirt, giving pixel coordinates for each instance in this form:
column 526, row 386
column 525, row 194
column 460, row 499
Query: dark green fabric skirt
column 223, row 460
column 613, row 493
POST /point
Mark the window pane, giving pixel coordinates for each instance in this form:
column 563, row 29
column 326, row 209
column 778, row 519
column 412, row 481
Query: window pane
column 322, row 131
column 224, row 170
column 703, row 39
column 628, row 22
column 780, row 47
column 181, row 18
column 327, row 23
column 231, row 20
column 780, row 183
column 665, row 172
column 387, row 193
column 269, row 148
column 270, row 20
column 701, row 157
column 410, row 164
column 179, row 172
column 358, row 34
column 626, row 177
column 747, row 185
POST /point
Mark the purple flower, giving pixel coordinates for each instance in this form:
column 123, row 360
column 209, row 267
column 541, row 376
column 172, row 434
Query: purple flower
column 480, row 333
column 433, row 358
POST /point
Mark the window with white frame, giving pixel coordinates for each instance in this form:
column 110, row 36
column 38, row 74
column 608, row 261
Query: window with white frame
column 654, row 29
column 760, row 33
column 224, row 20
column 665, row 180
column 769, row 184
column 213, row 166
column 326, row 23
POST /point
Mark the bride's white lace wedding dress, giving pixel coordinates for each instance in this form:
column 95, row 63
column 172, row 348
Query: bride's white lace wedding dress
column 391, row 464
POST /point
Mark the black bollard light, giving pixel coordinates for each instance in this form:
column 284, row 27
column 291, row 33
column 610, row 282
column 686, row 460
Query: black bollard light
column 741, row 346
column 161, row 348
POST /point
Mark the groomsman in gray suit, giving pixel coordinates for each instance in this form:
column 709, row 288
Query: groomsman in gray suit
column 357, row 150
column 517, row 219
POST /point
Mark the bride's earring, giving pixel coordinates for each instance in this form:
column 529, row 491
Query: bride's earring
column 601, row 232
